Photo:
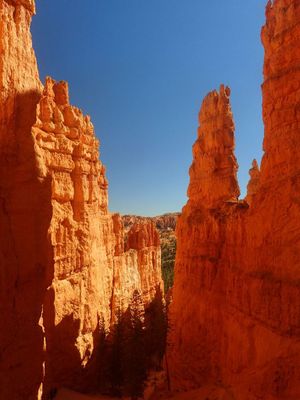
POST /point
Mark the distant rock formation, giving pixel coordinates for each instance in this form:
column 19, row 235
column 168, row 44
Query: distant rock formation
column 165, row 224
column 162, row 222
column 63, row 265
column 235, row 316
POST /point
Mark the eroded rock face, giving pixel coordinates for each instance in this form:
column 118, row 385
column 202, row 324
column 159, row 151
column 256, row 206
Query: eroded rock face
column 165, row 224
column 235, row 316
column 137, row 268
column 64, row 270
column 80, row 234
column 144, row 239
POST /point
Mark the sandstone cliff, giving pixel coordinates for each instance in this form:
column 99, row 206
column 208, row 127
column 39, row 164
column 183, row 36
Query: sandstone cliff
column 235, row 317
column 63, row 265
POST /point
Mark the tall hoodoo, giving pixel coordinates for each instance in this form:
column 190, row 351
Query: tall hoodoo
column 195, row 313
column 213, row 172
column 63, row 268
column 235, row 317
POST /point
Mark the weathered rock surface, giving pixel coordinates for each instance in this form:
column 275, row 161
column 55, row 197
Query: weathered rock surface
column 235, row 316
column 63, row 266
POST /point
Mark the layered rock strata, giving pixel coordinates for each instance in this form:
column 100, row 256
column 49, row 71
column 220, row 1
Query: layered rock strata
column 235, row 316
column 64, row 270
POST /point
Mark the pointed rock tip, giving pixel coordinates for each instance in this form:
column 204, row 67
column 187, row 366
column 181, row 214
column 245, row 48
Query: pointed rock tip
column 225, row 90
column 58, row 90
column 210, row 104
column 255, row 164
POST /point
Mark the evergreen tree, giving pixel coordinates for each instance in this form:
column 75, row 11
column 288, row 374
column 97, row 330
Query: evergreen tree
column 156, row 330
column 116, row 378
column 101, row 356
column 135, row 361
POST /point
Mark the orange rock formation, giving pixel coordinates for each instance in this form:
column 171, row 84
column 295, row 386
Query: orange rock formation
column 235, row 317
column 63, row 267
column 162, row 222
column 144, row 239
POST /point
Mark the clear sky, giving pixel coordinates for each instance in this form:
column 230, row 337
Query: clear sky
column 141, row 68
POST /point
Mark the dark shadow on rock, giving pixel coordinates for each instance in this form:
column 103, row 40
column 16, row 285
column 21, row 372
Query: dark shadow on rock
column 25, row 251
column 63, row 362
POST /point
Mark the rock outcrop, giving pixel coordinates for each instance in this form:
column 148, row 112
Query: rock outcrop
column 63, row 267
column 235, row 316
column 144, row 239
column 165, row 224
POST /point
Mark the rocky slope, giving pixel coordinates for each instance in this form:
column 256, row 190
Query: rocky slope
column 64, row 268
column 235, row 316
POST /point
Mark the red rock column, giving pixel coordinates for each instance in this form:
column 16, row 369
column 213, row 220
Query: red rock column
column 195, row 315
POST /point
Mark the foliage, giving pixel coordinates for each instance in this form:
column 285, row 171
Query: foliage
column 134, row 360
column 168, row 253
column 156, row 330
column 135, row 345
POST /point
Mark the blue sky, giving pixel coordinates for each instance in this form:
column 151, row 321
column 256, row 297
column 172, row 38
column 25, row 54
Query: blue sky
column 141, row 68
